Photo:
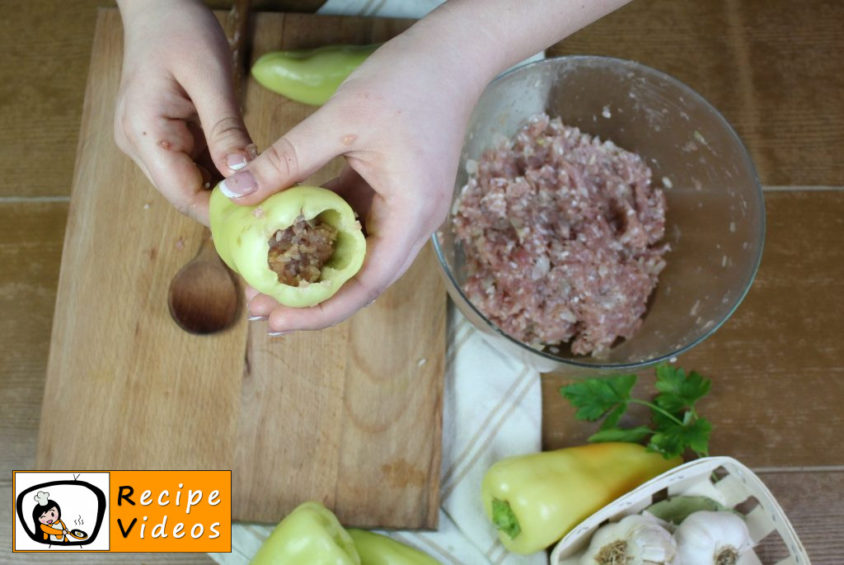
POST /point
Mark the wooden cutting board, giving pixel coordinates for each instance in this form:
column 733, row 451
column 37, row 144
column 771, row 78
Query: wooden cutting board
column 350, row 416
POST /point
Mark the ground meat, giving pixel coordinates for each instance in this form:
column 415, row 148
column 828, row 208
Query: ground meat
column 561, row 233
column 298, row 253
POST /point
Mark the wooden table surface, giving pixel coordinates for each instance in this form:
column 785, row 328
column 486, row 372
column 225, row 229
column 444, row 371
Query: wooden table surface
column 772, row 67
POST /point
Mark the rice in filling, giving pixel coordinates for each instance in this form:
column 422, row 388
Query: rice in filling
column 299, row 252
column 561, row 233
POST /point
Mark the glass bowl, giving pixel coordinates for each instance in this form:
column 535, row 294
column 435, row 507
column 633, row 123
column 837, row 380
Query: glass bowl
column 715, row 214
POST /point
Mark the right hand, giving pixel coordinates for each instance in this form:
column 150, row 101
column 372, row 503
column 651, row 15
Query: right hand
column 399, row 122
column 177, row 115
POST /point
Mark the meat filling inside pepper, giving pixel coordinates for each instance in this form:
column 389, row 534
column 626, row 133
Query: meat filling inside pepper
column 299, row 252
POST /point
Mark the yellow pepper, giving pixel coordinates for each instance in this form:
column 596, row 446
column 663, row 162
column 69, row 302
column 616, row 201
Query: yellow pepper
column 242, row 238
column 310, row 535
column 536, row 499
column 309, row 75
column 375, row 549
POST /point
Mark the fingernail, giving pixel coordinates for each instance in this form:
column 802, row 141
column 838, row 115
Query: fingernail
column 251, row 151
column 255, row 318
column 236, row 161
column 239, row 185
column 277, row 334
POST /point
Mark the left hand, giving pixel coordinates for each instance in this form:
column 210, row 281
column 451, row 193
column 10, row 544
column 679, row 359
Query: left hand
column 177, row 115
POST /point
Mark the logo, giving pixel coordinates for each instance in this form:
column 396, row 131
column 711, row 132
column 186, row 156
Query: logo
column 122, row 511
column 61, row 511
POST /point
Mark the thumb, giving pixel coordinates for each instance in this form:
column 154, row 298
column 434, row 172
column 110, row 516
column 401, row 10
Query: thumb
column 291, row 159
column 229, row 143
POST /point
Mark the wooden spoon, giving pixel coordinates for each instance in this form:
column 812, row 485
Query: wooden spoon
column 204, row 296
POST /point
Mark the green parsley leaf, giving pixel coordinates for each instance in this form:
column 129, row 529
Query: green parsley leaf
column 661, row 419
column 597, row 397
column 672, row 438
column 613, row 416
column 676, row 425
column 677, row 390
column 698, row 435
column 631, row 435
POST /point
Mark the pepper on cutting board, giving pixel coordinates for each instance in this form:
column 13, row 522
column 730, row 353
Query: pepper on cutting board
column 242, row 236
column 536, row 499
column 309, row 75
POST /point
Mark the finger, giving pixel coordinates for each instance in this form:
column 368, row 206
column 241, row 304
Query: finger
column 167, row 163
column 250, row 293
column 225, row 133
column 262, row 305
column 183, row 184
column 388, row 257
column 291, row 159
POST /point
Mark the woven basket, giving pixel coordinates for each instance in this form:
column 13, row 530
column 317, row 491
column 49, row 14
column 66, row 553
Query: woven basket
column 721, row 478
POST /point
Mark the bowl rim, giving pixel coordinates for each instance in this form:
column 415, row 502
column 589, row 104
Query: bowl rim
column 744, row 157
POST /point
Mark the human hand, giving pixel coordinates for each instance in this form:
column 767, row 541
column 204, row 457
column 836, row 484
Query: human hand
column 177, row 115
column 399, row 121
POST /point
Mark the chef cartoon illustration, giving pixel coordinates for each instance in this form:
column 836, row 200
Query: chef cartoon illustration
column 66, row 513
column 47, row 517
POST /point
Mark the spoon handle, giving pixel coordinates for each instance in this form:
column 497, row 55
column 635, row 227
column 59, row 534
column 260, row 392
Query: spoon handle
column 238, row 30
column 207, row 252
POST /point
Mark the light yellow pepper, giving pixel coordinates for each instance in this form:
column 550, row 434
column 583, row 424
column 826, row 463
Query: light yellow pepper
column 536, row 499
column 375, row 549
column 309, row 75
column 310, row 535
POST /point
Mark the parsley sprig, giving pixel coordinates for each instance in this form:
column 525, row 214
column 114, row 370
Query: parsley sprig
column 676, row 424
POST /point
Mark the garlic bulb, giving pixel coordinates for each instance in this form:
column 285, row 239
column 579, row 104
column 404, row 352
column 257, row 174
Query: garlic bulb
column 711, row 538
column 635, row 540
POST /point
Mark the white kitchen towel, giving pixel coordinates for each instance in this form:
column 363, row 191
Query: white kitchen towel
column 382, row 8
column 391, row 9
column 492, row 408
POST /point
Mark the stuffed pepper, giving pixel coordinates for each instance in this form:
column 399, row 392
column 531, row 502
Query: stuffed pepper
column 299, row 246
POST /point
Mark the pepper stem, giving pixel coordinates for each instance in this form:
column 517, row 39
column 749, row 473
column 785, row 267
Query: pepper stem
column 504, row 518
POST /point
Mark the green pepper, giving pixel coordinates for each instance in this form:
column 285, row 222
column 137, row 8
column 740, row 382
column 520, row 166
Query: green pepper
column 536, row 499
column 242, row 238
column 310, row 75
column 375, row 549
column 310, row 535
